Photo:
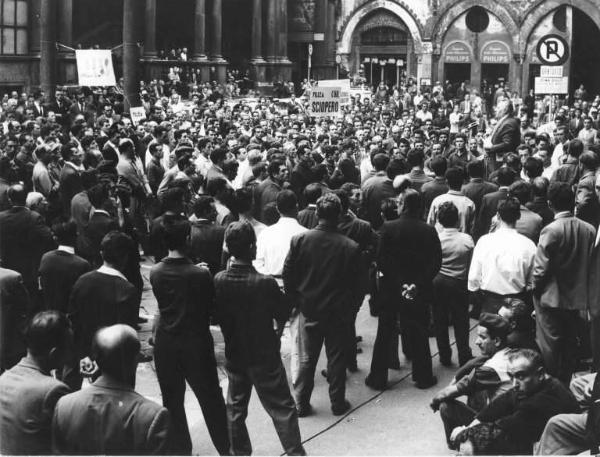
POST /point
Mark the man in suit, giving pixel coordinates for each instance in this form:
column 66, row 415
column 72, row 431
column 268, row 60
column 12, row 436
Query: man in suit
column 61, row 268
column 24, row 238
column 102, row 297
column 321, row 273
column 506, row 135
column 70, row 176
column 308, row 216
column 100, row 223
column 28, row 392
column 489, row 203
column 409, row 257
column 248, row 303
column 265, row 194
column 110, row 417
column 476, row 188
column 587, row 206
column 376, row 189
column 14, row 304
column 184, row 348
column 206, row 237
column 561, row 275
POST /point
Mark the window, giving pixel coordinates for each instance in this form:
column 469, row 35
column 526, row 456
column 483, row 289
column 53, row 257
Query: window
column 477, row 19
column 384, row 36
column 13, row 27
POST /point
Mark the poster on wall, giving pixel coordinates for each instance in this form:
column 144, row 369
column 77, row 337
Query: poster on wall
column 95, row 67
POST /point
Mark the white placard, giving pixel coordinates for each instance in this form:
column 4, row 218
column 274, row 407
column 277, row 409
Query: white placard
column 551, row 71
column 325, row 102
column 94, row 67
column 137, row 114
column 552, row 85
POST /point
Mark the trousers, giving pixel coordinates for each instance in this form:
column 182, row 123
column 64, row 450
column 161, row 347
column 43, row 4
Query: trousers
column 455, row 414
column 451, row 297
column 556, row 336
column 190, row 357
column 272, row 388
column 334, row 333
column 564, row 434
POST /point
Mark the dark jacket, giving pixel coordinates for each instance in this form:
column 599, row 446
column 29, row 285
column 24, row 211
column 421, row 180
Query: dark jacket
column 375, row 190
column 475, row 189
column 14, row 307
column 24, row 238
column 409, row 252
column 506, row 137
column 308, row 217
column 264, row 194
column 70, row 185
column 321, row 272
column 488, row 209
column 432, row 189
column 27, row 400
column 90, row 239
column 206, row 244
column 109, row 418
column 539, row 205
column 59, row 270
column 185, row 295
column 247, row 302
column 99, row 300
column 587, row 207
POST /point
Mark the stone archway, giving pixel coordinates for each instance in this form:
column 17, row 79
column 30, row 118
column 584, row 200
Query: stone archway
column 544, row 7
column 413, row 26
column 452, row 12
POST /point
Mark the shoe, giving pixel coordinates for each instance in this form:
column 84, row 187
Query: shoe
column 324, row 373
column 374, row 385
column 426, row 384
column 304, row 410
column 446, row 362
column 343, row 408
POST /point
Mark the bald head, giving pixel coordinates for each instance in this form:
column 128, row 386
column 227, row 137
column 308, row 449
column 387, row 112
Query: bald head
column 115, row 350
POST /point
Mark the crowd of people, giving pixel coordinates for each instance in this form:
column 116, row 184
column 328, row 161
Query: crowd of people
column 431, row 206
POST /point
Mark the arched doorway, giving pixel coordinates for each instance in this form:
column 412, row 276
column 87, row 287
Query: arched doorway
column 385, row 31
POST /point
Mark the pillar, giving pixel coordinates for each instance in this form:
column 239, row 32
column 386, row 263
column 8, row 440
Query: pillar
column 272, row 31
column 424, row 62
column 257, row 62
column 131, row 54
column 150, row 30
column 285, row 66
column 65, row 18
column 48, row 51
column 320, row 47
column 330, row 33
column 216, row 55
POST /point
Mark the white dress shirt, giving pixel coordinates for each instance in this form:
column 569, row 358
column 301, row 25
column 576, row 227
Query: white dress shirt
column 502, row 263
column 273, row 245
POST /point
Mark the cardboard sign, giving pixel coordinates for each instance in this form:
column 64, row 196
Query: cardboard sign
column 95, row 68
column 137, row 114
column 552, row 85
column 325, row 102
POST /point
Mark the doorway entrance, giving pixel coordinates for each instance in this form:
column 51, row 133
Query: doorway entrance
column 492, row 73
column 457, row 73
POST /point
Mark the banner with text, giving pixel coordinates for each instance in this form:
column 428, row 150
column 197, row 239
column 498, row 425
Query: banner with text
column 325, row 102
column 95, row 67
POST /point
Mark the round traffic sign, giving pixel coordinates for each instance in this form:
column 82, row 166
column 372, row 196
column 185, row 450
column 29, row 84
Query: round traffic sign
column 553, row 50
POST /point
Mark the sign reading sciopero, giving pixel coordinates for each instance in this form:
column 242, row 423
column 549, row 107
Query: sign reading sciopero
column 325, row 102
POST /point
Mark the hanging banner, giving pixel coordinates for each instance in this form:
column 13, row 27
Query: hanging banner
column 325, row 102
column 94, row 67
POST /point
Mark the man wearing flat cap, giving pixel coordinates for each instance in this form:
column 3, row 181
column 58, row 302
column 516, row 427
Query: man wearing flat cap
column 485, row 376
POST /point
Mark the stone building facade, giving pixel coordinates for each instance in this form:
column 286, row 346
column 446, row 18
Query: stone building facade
column 430, row 40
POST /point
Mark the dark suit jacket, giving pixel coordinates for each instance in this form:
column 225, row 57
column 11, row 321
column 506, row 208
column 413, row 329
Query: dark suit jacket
column 264, row 194
column 587, row 207
column 206, row 244
column 488, row 209
column 14, row 307
column 59, row 270
column 506, row 137
column 109, row 418
column 27, row 400
column 375, row 190
column 475, row 189
column 432, row 189
column 24, row 238
column 70, row 185
column 99, row 300
column 409, row 252
column 308, row 217
column 321, row 272
column 90, row 239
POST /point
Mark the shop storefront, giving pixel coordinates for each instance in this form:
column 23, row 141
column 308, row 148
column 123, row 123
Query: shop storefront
column 457, row 58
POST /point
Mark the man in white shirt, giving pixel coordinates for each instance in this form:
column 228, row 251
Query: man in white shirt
column 272, row 247
column 502, row 264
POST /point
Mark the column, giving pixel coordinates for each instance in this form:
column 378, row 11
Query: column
column 257, row 31
column 150, row 30
column 200, row 31
column 131, row 54
column 217, row 30
column 65, row 18
column 330, row 33
column 271, row 35
column 283, row 31
column 321, row 68
column 48, row 47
